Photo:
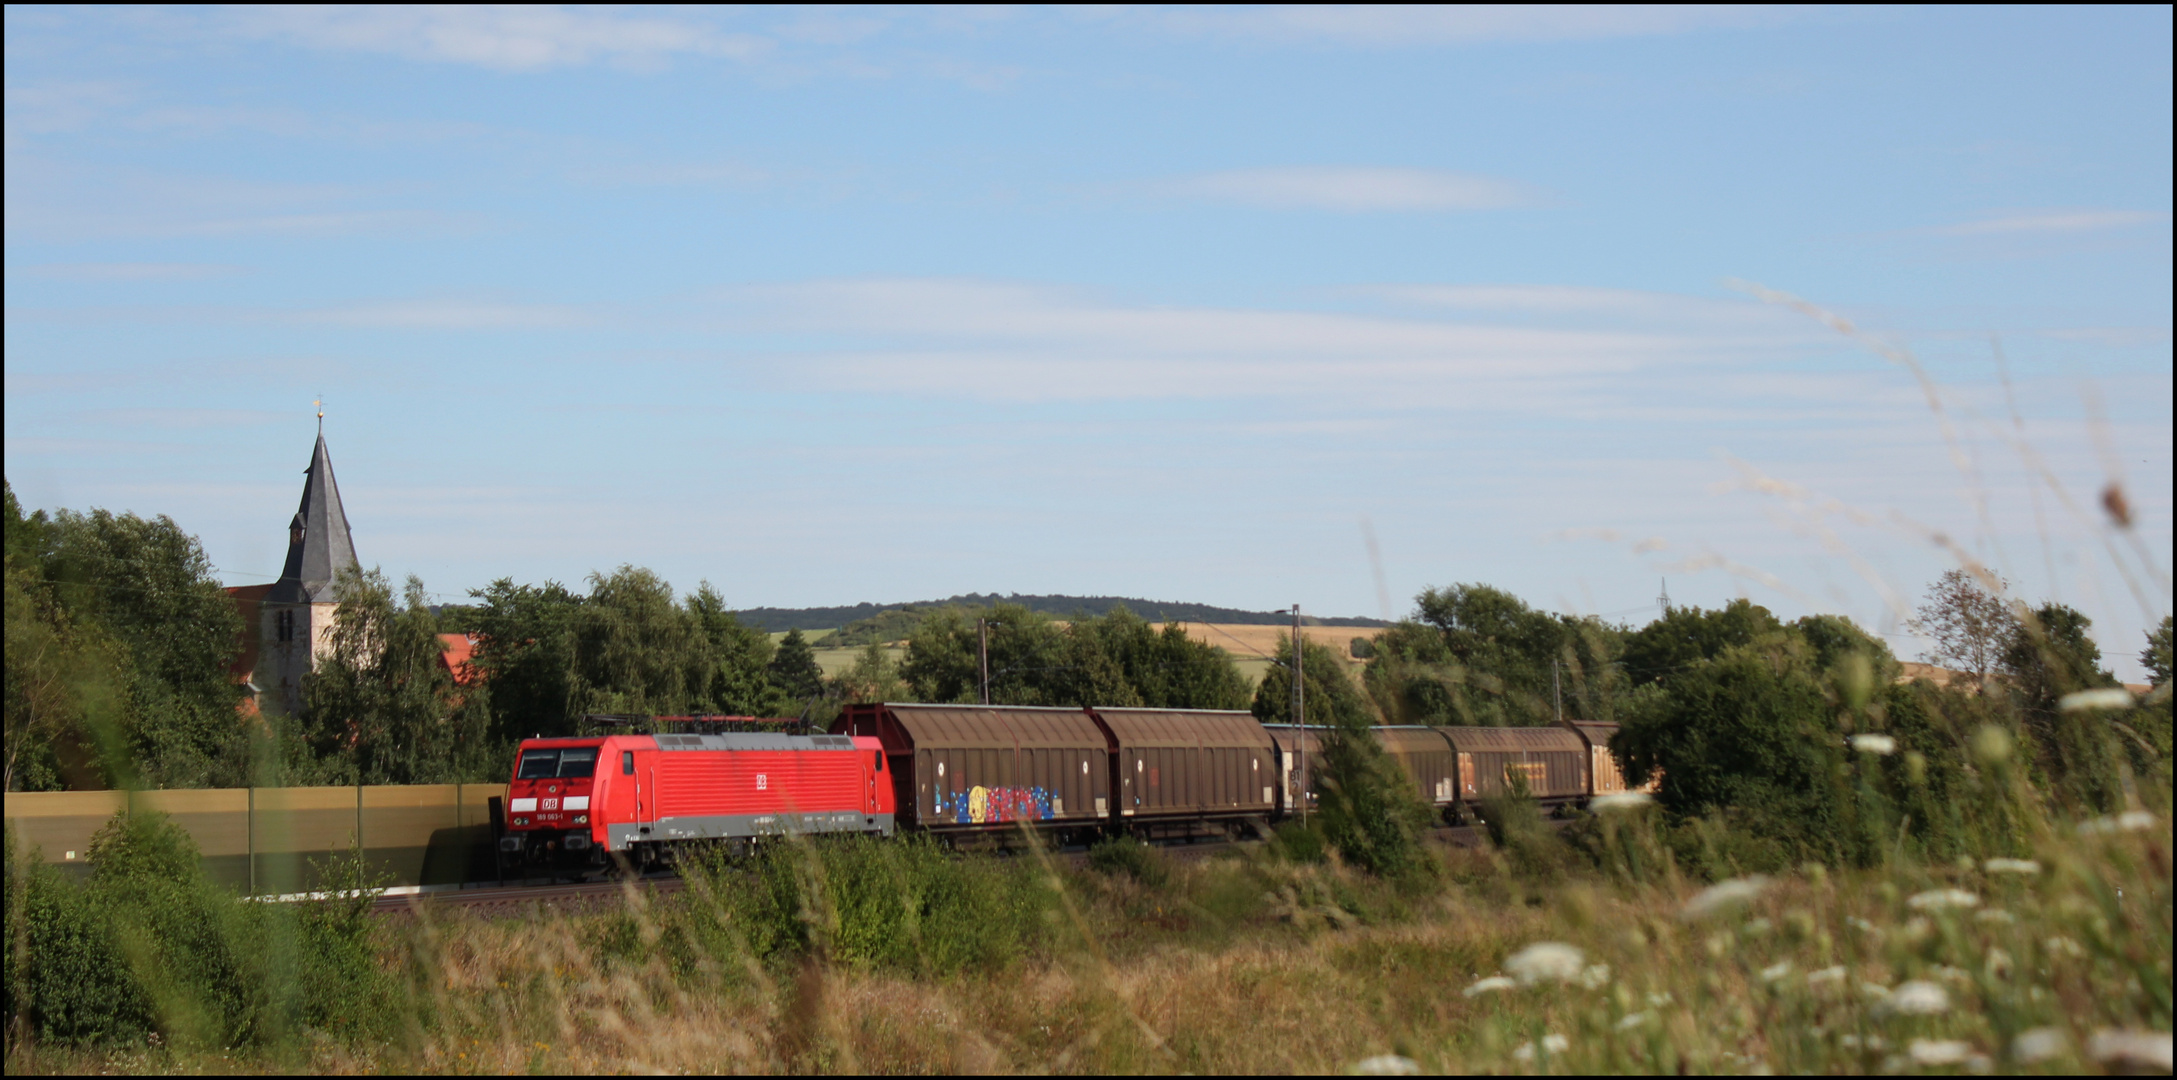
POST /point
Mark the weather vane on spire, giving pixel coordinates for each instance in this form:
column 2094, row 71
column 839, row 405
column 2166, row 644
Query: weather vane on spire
column 320, row 403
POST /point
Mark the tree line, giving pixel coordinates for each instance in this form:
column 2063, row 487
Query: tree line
column 120, row 641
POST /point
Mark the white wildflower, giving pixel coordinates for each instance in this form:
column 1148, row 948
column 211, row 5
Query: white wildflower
column 1623, row 800
column 1776, row 971
column 1385, row 1065
column 2133, row 1051
column 1998, row 964
column 1551, row 1044
column 1917, row 998
column 2112, row 697
column 1832, row 974
column 1630, row 1021
column 1862, row 925
column 2011, row 866
column 1943, row 900
column 1875, row 1043
column 2039, row 1044
column 1950, row 974
column 1595, row 976
column 1724, row 896
column 2063, row 946
column 1939, row 1051
column 1874, row 744
column 1995, row 915
column 1659, row 999
column 2128, row 821
column 1874, row 991
column 1545, row 961
column 1490, row 985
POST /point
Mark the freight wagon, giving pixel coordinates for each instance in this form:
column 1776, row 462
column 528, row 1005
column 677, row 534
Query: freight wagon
column 966, row 770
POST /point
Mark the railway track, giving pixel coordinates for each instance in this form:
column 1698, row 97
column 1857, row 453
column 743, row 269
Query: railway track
column 591, row 896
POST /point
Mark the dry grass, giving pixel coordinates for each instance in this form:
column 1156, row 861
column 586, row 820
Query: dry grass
column 1246, row 965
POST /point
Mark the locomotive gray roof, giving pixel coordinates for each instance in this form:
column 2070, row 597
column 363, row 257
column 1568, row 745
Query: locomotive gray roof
column 755, row 740
column 319, row 546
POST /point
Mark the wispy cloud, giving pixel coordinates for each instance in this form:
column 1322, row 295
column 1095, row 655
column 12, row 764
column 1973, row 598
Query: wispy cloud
column 1351, row 189
column 123, row 271
column 448, row 315
column 1011, row 341
column 2053, row 222
column 1401, row 25
column 525, row 38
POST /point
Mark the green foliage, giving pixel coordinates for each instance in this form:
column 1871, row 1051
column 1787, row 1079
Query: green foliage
column 883, row 628
column 1751, row 730
column 550, row 655
column 906, row 905
column 1328, row 694
column 872, row 677
column 147, row 947
column 1115, row 855
column 1115, row 659
column 2076, row 753
column 1685, row 636
column 1475, row 654
column 381, row 706
column 1366, row 805
column 119, row 640
column 793, row 668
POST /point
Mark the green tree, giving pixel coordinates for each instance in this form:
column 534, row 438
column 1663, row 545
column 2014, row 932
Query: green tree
column 943, row 664
column 1752, row 731
column 1684, row 635
column 2051, row 654
column 794, row 670
column 1475, row 654
column 118, row 653
column 1367, row 807
column 872, row 677
column 381, row 704
column 738, row 662
column 525, row 650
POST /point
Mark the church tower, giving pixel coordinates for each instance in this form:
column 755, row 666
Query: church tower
column 296, row 614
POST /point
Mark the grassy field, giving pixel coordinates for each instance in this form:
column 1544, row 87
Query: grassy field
column 1496, row 962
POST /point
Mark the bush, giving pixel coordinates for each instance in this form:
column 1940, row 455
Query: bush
column 147, row 946
column 907, row 905
column 1126, row 855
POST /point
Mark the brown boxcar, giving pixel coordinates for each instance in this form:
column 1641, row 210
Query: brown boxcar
column 964, row 768
column 1553, row 761
column 1428, row 759
column 1192, row 764
column 1604, row 775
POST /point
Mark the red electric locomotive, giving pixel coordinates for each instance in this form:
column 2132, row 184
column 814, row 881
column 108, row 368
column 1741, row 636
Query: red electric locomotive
column 572, row 801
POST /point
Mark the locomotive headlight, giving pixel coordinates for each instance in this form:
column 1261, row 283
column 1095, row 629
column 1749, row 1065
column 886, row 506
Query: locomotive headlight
column 521, row 821
column 581, row 819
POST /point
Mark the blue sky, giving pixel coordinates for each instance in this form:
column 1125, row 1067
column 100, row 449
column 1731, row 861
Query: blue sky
column 884, row 304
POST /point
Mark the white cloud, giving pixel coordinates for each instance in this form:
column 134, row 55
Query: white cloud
column 2048, row 222
column 513, row 38
column 1351, row 189
column 1402, row 25
column 1008, row 341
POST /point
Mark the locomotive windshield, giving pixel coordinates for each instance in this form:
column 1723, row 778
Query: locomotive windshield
column 557, row 761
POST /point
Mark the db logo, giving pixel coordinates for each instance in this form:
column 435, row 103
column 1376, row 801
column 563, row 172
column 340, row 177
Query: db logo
column 551, row 804
column 763, row 782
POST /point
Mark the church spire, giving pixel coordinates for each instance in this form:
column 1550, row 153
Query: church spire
column 319, row 546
